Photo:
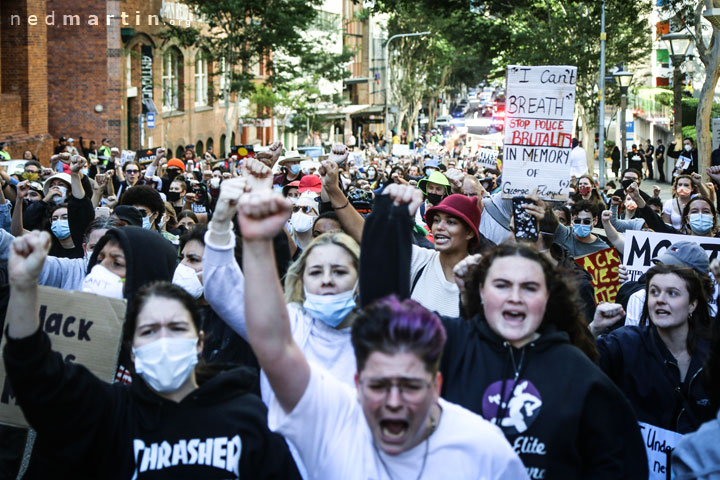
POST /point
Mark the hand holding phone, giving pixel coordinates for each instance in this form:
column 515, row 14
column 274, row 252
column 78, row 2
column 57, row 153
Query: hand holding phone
column 526, row 226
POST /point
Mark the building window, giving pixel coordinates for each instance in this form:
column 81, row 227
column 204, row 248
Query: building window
column 224, row 77
column 170, row 81
column 201, row 80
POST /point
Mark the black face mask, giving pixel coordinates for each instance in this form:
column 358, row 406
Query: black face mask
column 627, row 183
column 434, row 198
column 173, row 196
column 172, row 174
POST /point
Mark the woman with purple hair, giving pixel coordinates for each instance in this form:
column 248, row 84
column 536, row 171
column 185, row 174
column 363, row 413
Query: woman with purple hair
column 394, row 424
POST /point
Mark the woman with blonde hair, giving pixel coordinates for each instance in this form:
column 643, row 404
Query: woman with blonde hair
column 320, row 290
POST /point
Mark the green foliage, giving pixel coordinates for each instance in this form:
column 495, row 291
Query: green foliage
column 689, row 110
column 246, row 32
column 690, row 131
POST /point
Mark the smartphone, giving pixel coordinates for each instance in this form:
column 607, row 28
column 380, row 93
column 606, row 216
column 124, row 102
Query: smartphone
column 102, row 212
column 526, row 226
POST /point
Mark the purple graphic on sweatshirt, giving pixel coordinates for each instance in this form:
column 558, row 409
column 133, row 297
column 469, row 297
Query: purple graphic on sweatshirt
column 517, row 409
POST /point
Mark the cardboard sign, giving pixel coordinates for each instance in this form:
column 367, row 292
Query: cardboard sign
column 126, row 156
column 84, row 328
column 146, row 157
column 641, row 247
column 539, row 107
column 715, row 125
column 487, row 157
column 659, row 445
column 401, row 150
column 603, row 266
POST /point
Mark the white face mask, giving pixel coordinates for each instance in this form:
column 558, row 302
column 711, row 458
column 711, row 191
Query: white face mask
column 188, row 279
column 166, row 364
column 215, row 182
column 102, row 281
column 88, row 254
column 63, row 197
column 301, row 222
column 688, row 148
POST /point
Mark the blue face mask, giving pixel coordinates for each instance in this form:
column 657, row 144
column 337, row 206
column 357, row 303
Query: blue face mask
column 581, row 231
column 295, row 169
column 146, row 222
column 61, row 229
column 330, row 309
column 701, row 223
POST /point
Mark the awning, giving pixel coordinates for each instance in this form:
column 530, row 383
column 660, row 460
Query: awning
column 352, row 109
column 356, row 80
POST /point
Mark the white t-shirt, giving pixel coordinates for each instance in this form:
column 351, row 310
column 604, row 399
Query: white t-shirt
column 671, row 208
column 330, row 430
column 432, row 289
column 578, row 162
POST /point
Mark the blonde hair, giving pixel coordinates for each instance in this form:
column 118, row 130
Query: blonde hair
column 294, row 291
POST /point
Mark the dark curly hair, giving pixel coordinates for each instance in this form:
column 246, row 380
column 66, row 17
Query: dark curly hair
column 146, row 196
column 562, row 308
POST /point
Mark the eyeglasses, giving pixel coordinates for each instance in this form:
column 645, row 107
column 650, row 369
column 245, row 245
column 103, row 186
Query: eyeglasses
column 306, row 209
column 132, row 172
column 584, row 221
column 411, row 390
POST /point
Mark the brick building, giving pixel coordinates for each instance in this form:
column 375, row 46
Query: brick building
column 23, row 80
column 93, row 63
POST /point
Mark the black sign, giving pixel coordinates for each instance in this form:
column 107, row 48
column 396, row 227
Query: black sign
column 146, row 72
column 145, row 157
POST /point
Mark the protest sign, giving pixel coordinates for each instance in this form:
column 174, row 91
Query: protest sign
column 641, row 247
column 487, row 157
column 659, row 444
column 715, row 133
column 146, row 157
column 682, row 163
column 126, row 156
column 84, row 328
column 540, row 103
column 603, row 266
column 401, row 150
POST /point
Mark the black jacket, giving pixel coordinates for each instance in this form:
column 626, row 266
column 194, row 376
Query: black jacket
column 638, row 361
column 565, row 418
column 80, row 214
column 113, row 431
column 693, row 155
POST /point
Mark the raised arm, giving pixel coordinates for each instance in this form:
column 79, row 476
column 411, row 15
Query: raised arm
column 76, row 164
column 351, row 221
column 16, row 224
column 615, row 238
column 27, row 256
column 261, row 216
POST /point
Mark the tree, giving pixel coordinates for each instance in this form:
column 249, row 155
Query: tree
column 555, row 32
column 242, row 34
column 687, row 15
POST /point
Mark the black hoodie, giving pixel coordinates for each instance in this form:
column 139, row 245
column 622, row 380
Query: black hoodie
column 564, row 418
column 97, row 430
column 148, row 257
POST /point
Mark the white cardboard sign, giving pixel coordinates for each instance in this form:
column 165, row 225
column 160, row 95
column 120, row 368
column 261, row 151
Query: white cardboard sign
column 641, row 247
column 539, row 107
column 487, row 157
column 659, row 444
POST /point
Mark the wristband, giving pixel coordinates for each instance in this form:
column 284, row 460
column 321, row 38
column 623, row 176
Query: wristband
column 340, row 208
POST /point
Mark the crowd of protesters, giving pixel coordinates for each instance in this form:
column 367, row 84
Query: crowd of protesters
column 355, row 316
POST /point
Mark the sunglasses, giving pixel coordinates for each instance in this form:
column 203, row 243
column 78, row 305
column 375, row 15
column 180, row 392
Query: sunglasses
column 131, row 172
column 306, row 209
column 584, row 221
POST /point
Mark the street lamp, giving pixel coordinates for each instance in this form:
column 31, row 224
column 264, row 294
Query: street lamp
column 678, row 43
column 387, row 79
column 623, row 79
